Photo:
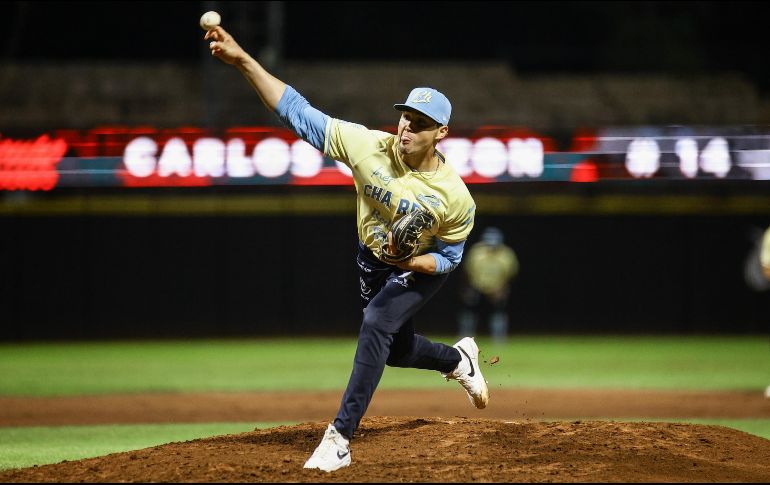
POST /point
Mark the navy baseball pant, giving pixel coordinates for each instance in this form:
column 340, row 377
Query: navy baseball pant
column 390, row 298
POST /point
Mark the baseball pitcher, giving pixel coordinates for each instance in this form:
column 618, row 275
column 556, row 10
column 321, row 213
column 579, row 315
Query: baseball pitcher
column 414, row 215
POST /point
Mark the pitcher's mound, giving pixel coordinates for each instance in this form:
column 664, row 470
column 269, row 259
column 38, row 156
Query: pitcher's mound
column 399, row 449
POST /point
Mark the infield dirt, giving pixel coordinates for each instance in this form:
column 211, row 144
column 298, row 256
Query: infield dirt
column 425, row 436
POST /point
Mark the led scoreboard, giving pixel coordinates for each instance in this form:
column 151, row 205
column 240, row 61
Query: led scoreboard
column 120, row 156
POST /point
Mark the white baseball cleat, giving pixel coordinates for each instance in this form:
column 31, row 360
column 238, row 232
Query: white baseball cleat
column 332, row 454
column 468, row 373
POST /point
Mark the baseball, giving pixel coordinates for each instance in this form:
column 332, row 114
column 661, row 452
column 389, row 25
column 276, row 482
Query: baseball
column 209, row 20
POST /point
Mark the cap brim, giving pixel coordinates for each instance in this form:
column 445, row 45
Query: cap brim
column 403, row 107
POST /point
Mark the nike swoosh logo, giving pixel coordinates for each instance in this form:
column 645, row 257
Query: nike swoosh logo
column 343, row 455
column 473, row 371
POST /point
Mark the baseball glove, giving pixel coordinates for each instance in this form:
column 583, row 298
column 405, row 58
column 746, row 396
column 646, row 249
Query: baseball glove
column 406, row 234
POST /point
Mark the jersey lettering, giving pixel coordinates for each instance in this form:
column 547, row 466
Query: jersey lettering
column 376, row 193
column 386, row 199
column 403, row 206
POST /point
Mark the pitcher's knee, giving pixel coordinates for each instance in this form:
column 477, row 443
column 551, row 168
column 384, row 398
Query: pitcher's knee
column 370, row 321
column 378, row 328
column 373, row 328
column 376, row 320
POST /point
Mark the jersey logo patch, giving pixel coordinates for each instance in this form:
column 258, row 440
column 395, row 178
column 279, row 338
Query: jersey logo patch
column 430, row 200
column 386, row 179
column 403, row 279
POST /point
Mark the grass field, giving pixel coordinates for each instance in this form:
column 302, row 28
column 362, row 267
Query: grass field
column 68, row 369
column 36, row 445
column 51, row 369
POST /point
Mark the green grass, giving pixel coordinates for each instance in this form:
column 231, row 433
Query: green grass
column 705, row 363
column 710, row 362
column 758, row 427
column 39, row 445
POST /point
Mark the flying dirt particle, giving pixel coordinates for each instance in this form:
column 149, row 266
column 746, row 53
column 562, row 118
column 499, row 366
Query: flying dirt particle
column 494, row 360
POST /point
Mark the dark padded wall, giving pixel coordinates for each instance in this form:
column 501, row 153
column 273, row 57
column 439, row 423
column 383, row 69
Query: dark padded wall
column 103, row 277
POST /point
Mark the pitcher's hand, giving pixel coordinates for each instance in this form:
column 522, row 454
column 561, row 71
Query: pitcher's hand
column 223, row 46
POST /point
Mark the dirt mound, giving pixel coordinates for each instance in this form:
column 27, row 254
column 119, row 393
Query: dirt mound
column 407, row 449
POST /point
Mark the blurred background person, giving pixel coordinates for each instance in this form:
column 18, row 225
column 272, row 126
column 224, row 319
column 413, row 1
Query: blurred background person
column 489, row 267
column 764, row 254
column 756, row 268
column 764, row 259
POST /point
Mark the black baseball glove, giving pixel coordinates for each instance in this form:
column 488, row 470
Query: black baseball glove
column 406, row 234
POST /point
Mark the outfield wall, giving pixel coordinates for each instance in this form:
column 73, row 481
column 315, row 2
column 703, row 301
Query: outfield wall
column 118, row 271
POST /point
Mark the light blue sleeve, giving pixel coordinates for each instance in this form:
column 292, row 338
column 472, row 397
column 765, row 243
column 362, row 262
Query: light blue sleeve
column 448, row 256
column 306, row 122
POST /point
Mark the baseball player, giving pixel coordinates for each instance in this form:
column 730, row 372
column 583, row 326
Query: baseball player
column 764, row 259
column 414, row 215
column 764, row 253
column 490, row 265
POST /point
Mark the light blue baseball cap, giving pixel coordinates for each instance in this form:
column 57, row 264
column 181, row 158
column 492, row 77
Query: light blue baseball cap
column 430, row 102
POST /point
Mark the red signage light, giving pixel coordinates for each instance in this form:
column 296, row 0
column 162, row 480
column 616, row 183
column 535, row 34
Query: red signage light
column 30, row 165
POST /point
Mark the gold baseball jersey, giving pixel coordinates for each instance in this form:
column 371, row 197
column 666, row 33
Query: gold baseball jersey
column 489, row 268
column 387, row 188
